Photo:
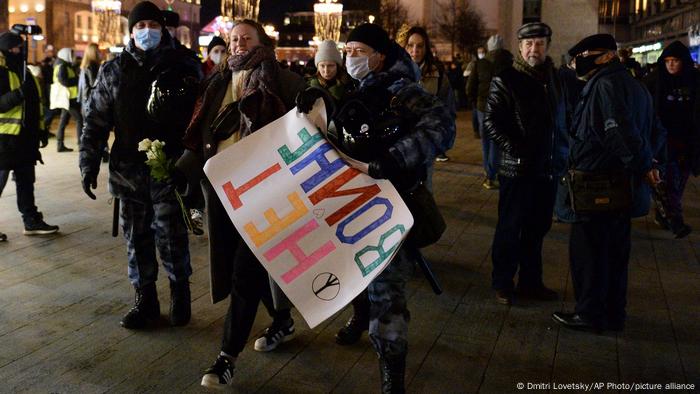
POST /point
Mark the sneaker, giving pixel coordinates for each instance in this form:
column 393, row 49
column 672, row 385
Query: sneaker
column 39, row 227
column 219, row 375
column 489, row 184
column 197, row 220
column 441, row 158
column 504, row 297
column 3, row 237
column 274, row 336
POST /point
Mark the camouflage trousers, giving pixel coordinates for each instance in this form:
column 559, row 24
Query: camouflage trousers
column 155, row 224
column 389, row 315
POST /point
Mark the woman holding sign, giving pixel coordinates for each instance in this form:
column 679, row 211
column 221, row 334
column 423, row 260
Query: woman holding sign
column 239, row 99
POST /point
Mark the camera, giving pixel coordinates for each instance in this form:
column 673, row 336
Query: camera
column 30, row 30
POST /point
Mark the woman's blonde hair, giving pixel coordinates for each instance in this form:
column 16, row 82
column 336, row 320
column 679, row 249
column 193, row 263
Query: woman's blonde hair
column 92, row 55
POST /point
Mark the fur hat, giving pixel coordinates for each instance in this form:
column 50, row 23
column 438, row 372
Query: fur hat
column 328, row 52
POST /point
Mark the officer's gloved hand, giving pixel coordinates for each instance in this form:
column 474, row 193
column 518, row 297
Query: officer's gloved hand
column 306, row 98
column 89, row 181
column 43, row 138
column 27, row 85
column 385, row 167
column 179, row 180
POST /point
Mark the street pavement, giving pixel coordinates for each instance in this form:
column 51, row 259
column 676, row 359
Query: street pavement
column 62, row 296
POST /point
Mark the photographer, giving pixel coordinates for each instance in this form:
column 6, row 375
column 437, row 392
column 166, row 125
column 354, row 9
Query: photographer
column 22, row 130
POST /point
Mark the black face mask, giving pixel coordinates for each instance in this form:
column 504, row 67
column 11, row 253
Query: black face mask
column 586, row 64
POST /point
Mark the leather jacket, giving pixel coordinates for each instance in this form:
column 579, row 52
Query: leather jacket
column 522, row 118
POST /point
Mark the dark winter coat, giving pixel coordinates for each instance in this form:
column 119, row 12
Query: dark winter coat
column 432, row 125
column 434, row 80
column 86, row 82
column 524, row 117
column 339, row 88
column 23, row 149
column 677, row 105
column 200, row 146
column 119, row 102
column 612, row 130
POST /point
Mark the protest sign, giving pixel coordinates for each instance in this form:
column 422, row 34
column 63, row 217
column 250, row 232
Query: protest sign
column 322, row 229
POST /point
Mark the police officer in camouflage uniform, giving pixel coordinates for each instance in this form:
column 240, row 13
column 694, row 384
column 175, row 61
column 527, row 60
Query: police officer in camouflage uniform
column 387, row 76
column 150, row 214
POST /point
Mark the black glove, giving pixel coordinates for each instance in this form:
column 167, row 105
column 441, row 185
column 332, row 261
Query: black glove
column 306, row 98
column 385, row 167
column 43, row 138
column 89, row 181
column 27, row 85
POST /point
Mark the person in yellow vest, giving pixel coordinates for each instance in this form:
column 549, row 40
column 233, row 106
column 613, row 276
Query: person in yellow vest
column 64, row 75
column 22, row 131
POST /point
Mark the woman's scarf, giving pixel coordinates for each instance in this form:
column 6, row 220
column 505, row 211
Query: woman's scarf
column 260, row 102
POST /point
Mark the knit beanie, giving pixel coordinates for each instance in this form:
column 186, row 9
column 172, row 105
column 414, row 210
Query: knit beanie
column 9, row 40
column 372, row 35
column 216, row 41
column 494, row 42
column 328, row 52
column 144, row 11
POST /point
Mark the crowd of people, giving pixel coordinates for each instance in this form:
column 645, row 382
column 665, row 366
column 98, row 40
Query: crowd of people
column 588, row 143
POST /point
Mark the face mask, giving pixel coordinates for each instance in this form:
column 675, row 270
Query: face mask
column 216, row 57
column 358, row 66
column 585, row 65
column 147, row 39
column 481, row 55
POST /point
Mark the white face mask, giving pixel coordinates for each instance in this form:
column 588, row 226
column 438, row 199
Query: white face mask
column 358, row 66
column 481, row 55
column 216, row 57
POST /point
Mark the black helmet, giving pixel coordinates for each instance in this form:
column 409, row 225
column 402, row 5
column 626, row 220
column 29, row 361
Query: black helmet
column 172, row 97
column 364, row 134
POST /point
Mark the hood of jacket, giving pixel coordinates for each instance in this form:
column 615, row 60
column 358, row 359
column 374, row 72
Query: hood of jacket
column 66, row 54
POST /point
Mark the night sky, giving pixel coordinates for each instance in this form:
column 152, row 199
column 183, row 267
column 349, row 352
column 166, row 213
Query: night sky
column 272, row 11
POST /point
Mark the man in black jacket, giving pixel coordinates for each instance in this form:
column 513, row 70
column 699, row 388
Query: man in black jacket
column 611, row 137
column 22, row 131
column 522, row 117
column 150, row 214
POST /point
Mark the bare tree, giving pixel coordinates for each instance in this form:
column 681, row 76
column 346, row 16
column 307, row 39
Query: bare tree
column 461, row 25
column 392, row 15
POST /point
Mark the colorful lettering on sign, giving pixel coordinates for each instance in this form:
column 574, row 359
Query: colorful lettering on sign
column 234, row 195
column 291, row 244
column 379, row 249
column 277, row 225
column 340, row 231
column 307, row 142
column 327, row 168
column 330, row 189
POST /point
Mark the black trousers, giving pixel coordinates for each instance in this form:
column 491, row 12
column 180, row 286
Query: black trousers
column 73, row 111
column 525, row 208
column 250, row 285
column 24, row 178
column 599, row 251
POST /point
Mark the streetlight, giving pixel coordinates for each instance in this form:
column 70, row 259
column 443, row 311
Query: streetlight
column 328, row 16
column 107, row 13
column 240, row 9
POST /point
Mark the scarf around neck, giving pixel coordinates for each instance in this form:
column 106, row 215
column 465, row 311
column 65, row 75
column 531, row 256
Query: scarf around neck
column 540, row 72
column 260, row 101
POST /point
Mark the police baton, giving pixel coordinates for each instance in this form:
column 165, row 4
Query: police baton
column 115, row 218
column 426, row 269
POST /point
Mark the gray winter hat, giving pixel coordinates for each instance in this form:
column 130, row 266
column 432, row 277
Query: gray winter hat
column 494, row 42
column 328, row 52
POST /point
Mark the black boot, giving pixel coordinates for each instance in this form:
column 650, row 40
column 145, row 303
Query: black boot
column 358, row 323
column 145, row 309
column 392, row 370
column 60, row 147
column 180, row 303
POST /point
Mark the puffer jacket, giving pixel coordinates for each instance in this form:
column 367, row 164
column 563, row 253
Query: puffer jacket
column 613, row 130
column 118, row 102
column 523, row 118
column 432, row 132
